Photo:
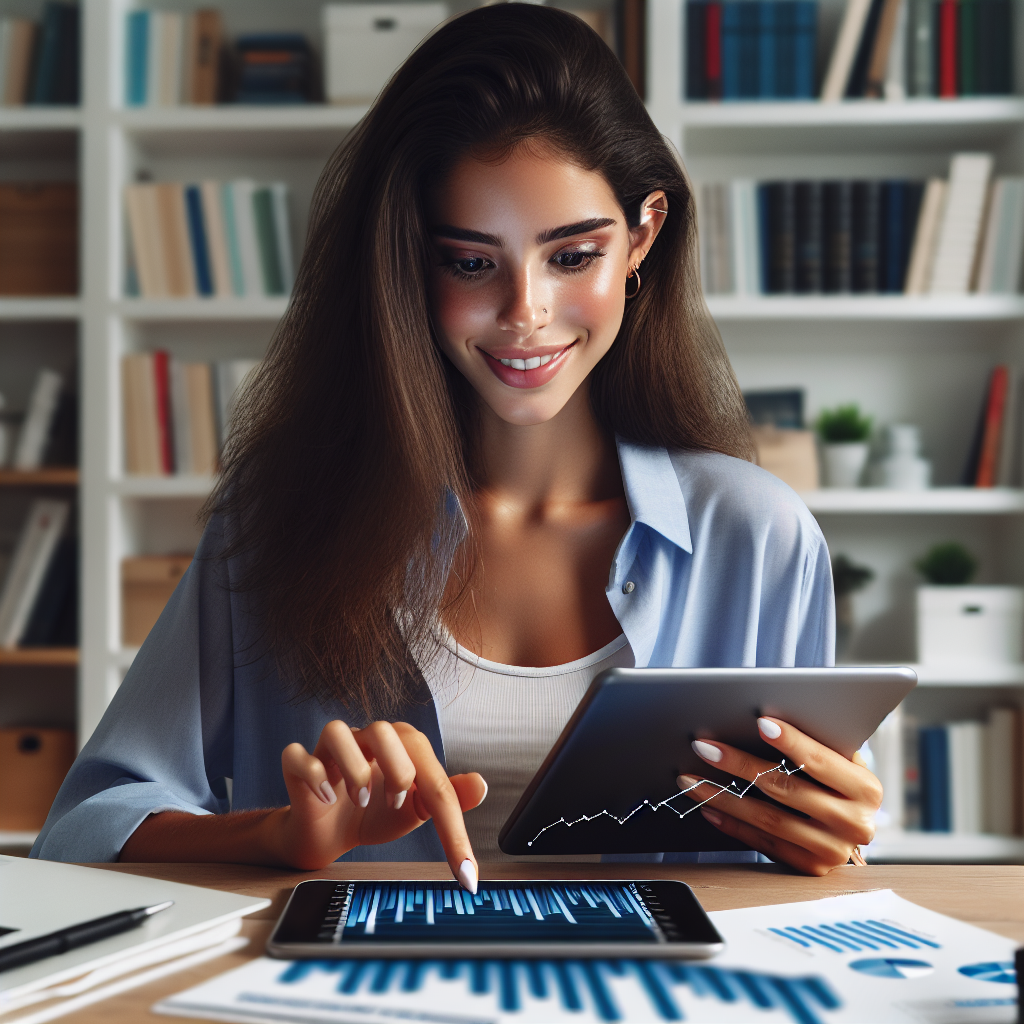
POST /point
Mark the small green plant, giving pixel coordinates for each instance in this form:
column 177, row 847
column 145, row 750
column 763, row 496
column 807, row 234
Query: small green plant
column 949, row 564
column 843, row 424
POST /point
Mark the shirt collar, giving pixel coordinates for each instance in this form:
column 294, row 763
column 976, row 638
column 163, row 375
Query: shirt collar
column 652, row 489
column 653, row 492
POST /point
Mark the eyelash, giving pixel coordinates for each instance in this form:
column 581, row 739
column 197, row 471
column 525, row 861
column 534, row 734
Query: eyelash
column 589, row 258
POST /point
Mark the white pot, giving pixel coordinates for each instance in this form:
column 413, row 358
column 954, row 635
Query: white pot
column 901, row 473
column 970, row 624
column 844, row 463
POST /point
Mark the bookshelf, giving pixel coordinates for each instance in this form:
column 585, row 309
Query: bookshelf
column 920, row 360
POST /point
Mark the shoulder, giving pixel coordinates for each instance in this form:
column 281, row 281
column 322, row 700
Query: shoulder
column 725, row 495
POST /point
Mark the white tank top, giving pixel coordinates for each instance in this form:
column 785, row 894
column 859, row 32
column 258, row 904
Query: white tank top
column 501, row 721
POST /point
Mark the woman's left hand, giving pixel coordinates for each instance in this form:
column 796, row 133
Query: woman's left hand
column 839, row 818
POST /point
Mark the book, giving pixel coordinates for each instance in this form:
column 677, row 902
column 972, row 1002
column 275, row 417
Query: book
column 53, row 619
column 713, row 50
column 780, row 210
column 154, row 58
column 999, row 267
column 212, row 196
column 203, row 54
column 202, row 428
column 266, row 237
column 746, row 265
column 988, row 456
column 162, row 393
column 144, row 453
column 933, row 754
column 966, row 774
column 809, row 259
column 199, row 242
column 1010, row 435
column 55, row 73
column 716, row 242
column 39, row 238
column 947, row 48
column 844, row 52
column 878, row 61
column 967, row 48
column 866, row 224
column 144, row 231
column 180, row 420
column 244, row 225
column 1002, row 771
column 957, row 242
column 696, row 50
column 731, row 29
column 274, row 67
column 631, row 30
column 136, row 73
column 901, row 202
column 995, row 35
column 174, row 240
column 228, row 208
column 282, row 235
column 887, row 747
column 895, row 88
column 926, row 234
column 838, row 245
column 19, row 45
column 39, row 417
column 38, row 539
column 169, row 66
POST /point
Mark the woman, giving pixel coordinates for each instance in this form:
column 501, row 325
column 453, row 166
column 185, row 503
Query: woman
column 483, row 460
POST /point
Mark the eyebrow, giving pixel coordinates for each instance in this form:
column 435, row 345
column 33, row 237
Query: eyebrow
column 481, row 238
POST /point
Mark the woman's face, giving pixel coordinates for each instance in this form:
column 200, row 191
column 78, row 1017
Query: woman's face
column 529, row 285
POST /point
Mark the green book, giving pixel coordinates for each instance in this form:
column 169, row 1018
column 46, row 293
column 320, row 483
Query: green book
column 967, row 57
column 266, row 237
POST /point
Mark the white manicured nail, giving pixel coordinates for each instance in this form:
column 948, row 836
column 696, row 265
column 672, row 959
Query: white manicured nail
column 329, row 796
column 687, row 782
column 468, row 876
column 706, row 750
column 769, row 728
column 364, row 796
column 400, row 799
column 487, row 790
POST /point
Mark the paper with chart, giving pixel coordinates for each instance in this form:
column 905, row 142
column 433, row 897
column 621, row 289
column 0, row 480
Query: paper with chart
column 869, row 956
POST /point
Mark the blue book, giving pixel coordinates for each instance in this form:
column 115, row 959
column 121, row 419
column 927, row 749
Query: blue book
column 762, row 235
column 934, row 761
column 768, row 38
column 805, row 42
column 750, row 19
column 785, row 50
column 136, row 68
column 894, row 202
column 197, row 236
column 731, row 49
column 45, row 73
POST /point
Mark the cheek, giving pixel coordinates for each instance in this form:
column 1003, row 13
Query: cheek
column 596, row 301
column 458, row 311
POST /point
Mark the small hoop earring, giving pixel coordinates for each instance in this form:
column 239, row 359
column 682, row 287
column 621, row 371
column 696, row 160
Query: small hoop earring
column 636, row 291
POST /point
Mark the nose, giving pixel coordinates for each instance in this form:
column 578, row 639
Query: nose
column 524, row 309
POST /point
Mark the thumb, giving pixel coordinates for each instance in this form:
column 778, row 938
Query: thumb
column 471, row 789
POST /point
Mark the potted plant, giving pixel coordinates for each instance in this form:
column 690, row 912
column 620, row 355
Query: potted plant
column 844, row 434
column 957, row 623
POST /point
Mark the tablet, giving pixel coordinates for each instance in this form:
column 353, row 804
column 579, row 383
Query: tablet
column 330, row 919
column 609, row 783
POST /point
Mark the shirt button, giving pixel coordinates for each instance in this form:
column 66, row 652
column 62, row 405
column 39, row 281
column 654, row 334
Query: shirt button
column 628, row 587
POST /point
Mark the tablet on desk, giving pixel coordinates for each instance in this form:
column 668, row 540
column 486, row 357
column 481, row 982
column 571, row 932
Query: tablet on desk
column 609, row 783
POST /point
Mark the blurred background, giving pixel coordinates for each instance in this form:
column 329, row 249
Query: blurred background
column 859, row 173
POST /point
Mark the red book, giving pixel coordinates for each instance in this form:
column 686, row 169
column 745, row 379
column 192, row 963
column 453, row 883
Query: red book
column 947, row 48
column 161, row 371
column 988, row 461
column 713, row 50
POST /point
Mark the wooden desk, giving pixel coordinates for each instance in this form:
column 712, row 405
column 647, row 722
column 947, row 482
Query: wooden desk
column 988, row 896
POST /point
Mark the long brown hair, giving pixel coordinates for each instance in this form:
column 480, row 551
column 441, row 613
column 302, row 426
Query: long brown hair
column 355, row 433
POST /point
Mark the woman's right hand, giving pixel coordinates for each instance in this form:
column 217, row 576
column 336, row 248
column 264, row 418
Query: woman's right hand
column 366, row 786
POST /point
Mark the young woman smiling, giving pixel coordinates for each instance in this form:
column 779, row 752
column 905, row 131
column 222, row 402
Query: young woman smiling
column 495, row 447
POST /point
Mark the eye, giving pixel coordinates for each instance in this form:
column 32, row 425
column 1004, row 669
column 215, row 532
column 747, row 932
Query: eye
column 576, row 259
column 471, row 264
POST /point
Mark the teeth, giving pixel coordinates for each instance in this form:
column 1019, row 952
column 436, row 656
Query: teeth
column 532, row 363
column 527, row 364
column 506, row 362
column 544, row 360
column 518, row 364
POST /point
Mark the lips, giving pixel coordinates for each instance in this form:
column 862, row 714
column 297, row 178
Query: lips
column 533, row 378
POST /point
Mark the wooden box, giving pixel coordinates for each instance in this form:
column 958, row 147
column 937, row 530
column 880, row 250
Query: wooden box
column 33, row 763
column 790, row 455
column 147, row 583
column 39, row 239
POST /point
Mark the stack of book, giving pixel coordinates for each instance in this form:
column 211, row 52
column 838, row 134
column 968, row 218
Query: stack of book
column 274, row 68
column 177, row 415
column 994, row 458
column 765, row 49
column 950, row 237
column 38, row 603
column 750, row 49
column 211, row 239
column 39, row 63
column 172, row 59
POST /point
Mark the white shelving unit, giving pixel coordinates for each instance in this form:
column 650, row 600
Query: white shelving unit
column 921, row 360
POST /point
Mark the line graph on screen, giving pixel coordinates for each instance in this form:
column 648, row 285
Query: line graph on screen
column 732, row 789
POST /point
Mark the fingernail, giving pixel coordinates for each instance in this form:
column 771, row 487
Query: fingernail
column 685, row 782
column 769, row 728
column 329, row 796
column 467, row 876
column 713, row 816
column 706, row 750
column 364, row 796
column 400, row 799
column 487, row 790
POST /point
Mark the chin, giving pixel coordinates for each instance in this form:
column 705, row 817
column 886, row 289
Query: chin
column 528, row 413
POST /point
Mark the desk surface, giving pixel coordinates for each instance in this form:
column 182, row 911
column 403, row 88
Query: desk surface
column 988, row 896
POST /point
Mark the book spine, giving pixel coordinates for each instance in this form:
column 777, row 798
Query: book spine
column 198, row 239
column 967, row 47
column 878, row 61
column 867, row 218
column 934, row 755
column 266, row 238
column 245, row 227
column 781, row 210
column 926, row 233
column 205, row 34
column 947, row 48
column 229, row 207
column 838, row 201
column 809, row 236
column 67, row 83
column 844, row 52
column 46, row 60
column 43, row 622
column 893, row 240
column 749, row 54
column 859, row 71
column 1002, row 753
column 730, row 35
column 39, row 418
column 805, row 35
column 154, row 64
column 6, row 31
column 767, row 38
column 997, row 216
column 23, row 40
column 212, row 195
column 1009, row 450
column 897, row 67
column 283, row 234
column 922, row 49
column 696, row 80
column 181, row 420
column 988, row 460
column 202, row 418
column 713, row 50
column 956, row 249
column 165, row 427
column 965, row 777
column 1009, row 251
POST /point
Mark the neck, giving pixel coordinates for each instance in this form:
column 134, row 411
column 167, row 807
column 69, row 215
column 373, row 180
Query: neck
column 567, row 459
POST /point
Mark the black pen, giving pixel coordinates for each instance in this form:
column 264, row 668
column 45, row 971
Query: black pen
column 77, row 935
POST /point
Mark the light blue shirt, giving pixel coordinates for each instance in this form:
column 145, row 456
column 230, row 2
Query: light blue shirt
column 728, row 568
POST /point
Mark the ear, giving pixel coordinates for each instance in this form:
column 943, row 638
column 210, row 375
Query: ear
column 652, row 215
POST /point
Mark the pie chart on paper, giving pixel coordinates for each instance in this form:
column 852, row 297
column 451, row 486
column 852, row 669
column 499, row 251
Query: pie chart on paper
column 999, row 971
column 891, row 967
